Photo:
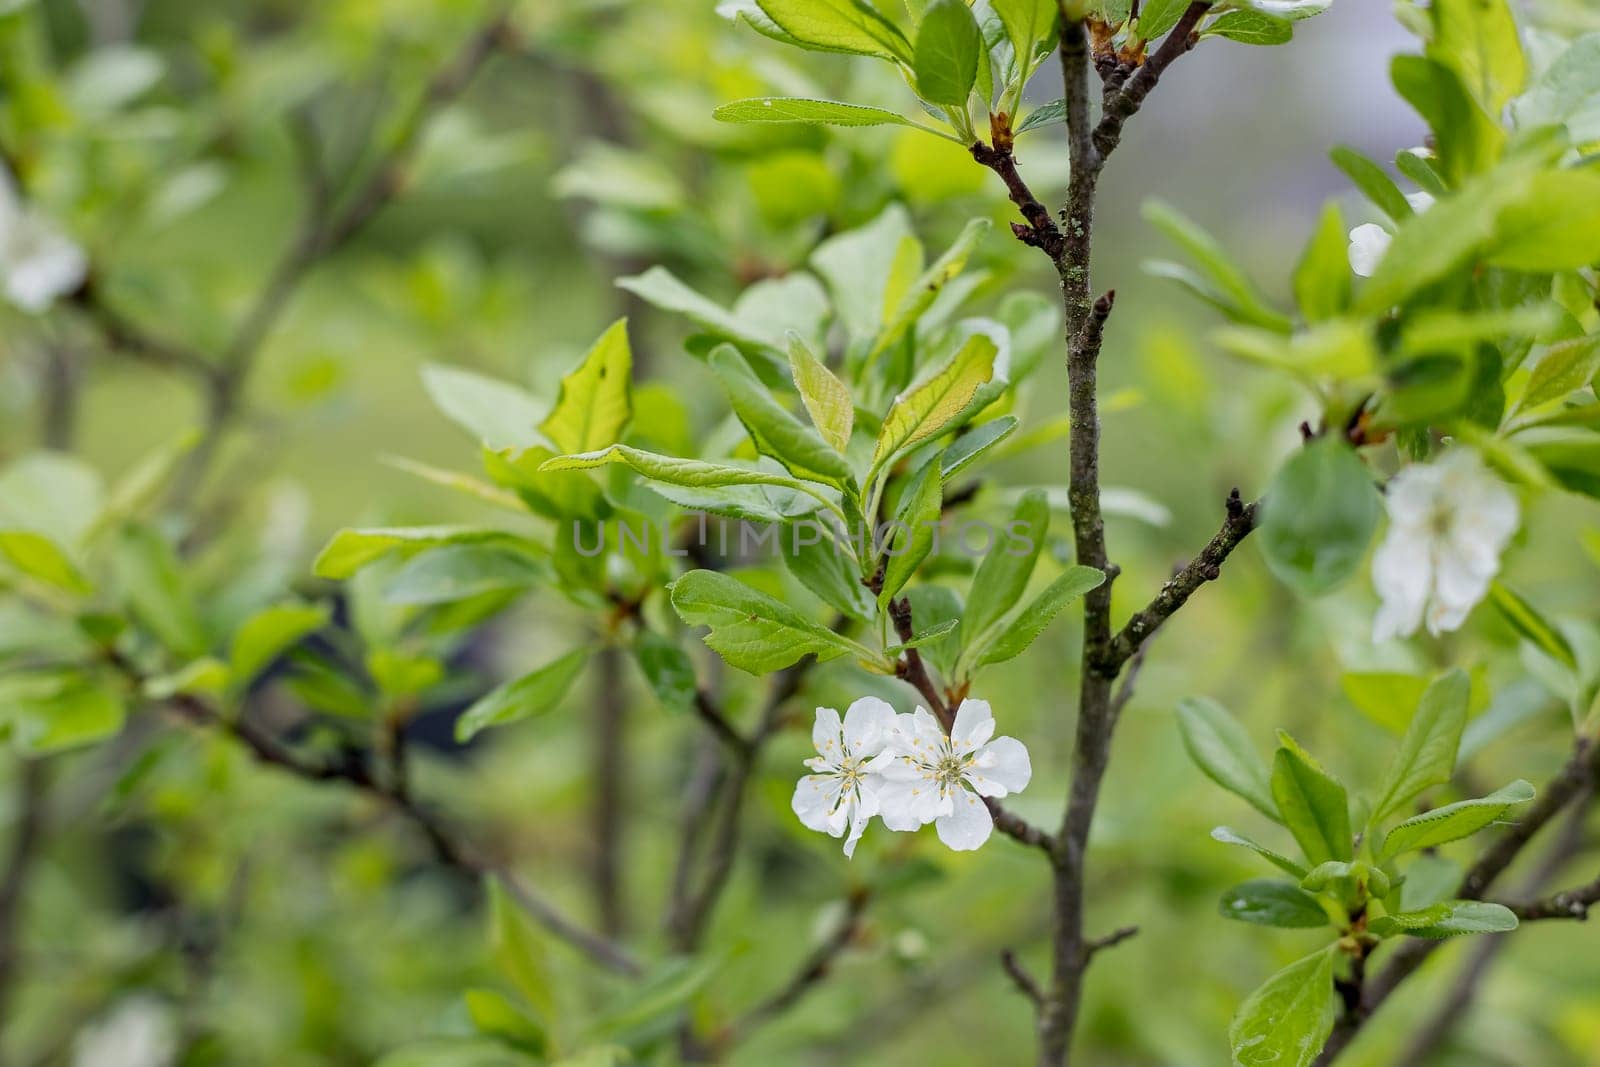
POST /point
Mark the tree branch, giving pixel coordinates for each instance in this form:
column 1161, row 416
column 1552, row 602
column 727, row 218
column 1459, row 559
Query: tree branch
column 810, row 973
column 1122, row 105
column 33, row 786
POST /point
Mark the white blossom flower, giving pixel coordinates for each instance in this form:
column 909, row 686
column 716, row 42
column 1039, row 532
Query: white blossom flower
column 1448, row 523
column 842, row 795
column 1369, row 241
column 38, row 263
column 138, row 1032
column 929, row 777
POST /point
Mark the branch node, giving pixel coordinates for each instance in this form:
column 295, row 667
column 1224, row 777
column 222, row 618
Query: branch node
column 1025, row 983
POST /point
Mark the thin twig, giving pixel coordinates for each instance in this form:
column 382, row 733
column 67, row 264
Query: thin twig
column 33, row 787
column 1025, row 982
column 1111, row 940
column 812, row 970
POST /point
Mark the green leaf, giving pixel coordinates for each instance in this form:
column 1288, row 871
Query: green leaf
column 671, row 470
column 1388, row 698
column 921, row 291
column 351, row 549
column 1567, row 92
column 1427, row 753
column 152, row 582
column 826, row 398
column 494, row 1014
column 1527, row 621
column 1312, row 803
column 452, row 573
column 838, row 26
column 51, row 493
column 775, row 431
column 1029, row 24
column 1229, row 836
column 1222, row 749
column 1478, row 40
column 1045, row 115
column 518, row 950
column 808, row 112
column 1373, row 181
column 1469, row 141
column 1287, row 1020
column 1270, row 902
column 54, row 710
column 1003, row 575
column 1246, row 302
column 496, row 413
column 269, row 633
column 924, row 637
column 911, row 540
column 1563, row 370
column 1447, row 919
column 968, row 447
column 660, row 288
column 139, row 487
column 42, row 559
column 931, row 406
column 1418, row 166
column 1319, row 516
column 1453, row 821
column 534, row 693
column 1159, row 16
column 1556, row 226
column 945, row 60
column 1250, row 27
column 1322, row 277
column 750, row 629
column 1031, row 621
column 596, row 399
column 824, row 567
column 668, row 670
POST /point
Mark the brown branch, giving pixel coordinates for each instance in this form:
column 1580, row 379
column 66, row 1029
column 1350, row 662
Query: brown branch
column 1571, row 903
column 1025, row 982
column 811, row 972
column 609, row 760
column 1041, row 232
column 1576, row 778
column 1113, row 939
column 1123, row 104
column 350, row 768
column 710, row 712
column 1206, row 567
column 33, row 787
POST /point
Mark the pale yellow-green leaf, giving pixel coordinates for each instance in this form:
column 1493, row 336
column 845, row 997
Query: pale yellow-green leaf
column 826, row 398
column 930, row 406
column 596, row 402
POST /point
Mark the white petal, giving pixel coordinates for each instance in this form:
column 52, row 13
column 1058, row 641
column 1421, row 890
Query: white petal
column 974, row 725
column 1460, row 581
column 858, row 826
column 1368, row 243
column 967, row 826
column 1420, row 201
column 1402, row 573
column 1001, row 767
column 906, row 805
column 825, row 735
column 867, row 723
column 814, row 798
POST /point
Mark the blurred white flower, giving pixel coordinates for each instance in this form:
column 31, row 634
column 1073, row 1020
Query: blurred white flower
column 1448, row 523
column 929, row 777
column 138, row 1032
column 842, row 795
column 1369, row 241
column 37, row 262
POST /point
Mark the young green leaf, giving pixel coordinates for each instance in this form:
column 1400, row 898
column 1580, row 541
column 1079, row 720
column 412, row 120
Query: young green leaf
column 1158, row 16
column 1527, row 621
column 1250, row 27
column 1453, row 821
column 1555, row 227
column 452, row 573
column 1245, row 302
column 775, row 431
column 1045, row 115
column 1003, row 575
column 596, row 399
column 945, row 60
column 1287, row 1020
column 1230, row 836
column 911, row 539
column 1322, row 277
column 498, row 414
column 1270, row 902
column 517, row 948
column 534, row 693
column 1222, row 749
column 268, row 634
column 1312, row 802
column 1026, row 626
column 668, row 670
column 1478, row 39
column 929, row 407
column 1029, row 24
column 1319, row 516
column 807, row 112
column 1373, row 181
column 838, row 26
column 672, row 470
column 42, row 559
column 751, row 630
column 351, row 549
column 919, row 292
column 1447, row 919
column 1564, row 369
column 153, row 583
column 969, row 446
column 1427, row 753
column 826, row 398
column 827, row 569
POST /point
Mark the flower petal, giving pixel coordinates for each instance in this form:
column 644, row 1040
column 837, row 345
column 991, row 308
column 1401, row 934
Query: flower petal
column 1402, row 573
column 907, row 805
column 968, row 824
column 974, row 725
column 1001, row 767
column 815, row 797
column 1368, row 243
column 825, row 735
column 867, row 723
column 858, row 826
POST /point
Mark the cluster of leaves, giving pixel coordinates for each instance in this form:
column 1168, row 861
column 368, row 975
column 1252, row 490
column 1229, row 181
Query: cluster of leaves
column 968, row 63
column 1479, row 322
column 1366, row 870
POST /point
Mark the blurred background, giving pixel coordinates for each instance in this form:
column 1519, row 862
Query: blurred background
column 187, row 904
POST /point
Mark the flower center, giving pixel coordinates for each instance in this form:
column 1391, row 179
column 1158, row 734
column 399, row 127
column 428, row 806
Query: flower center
column 947, row 772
